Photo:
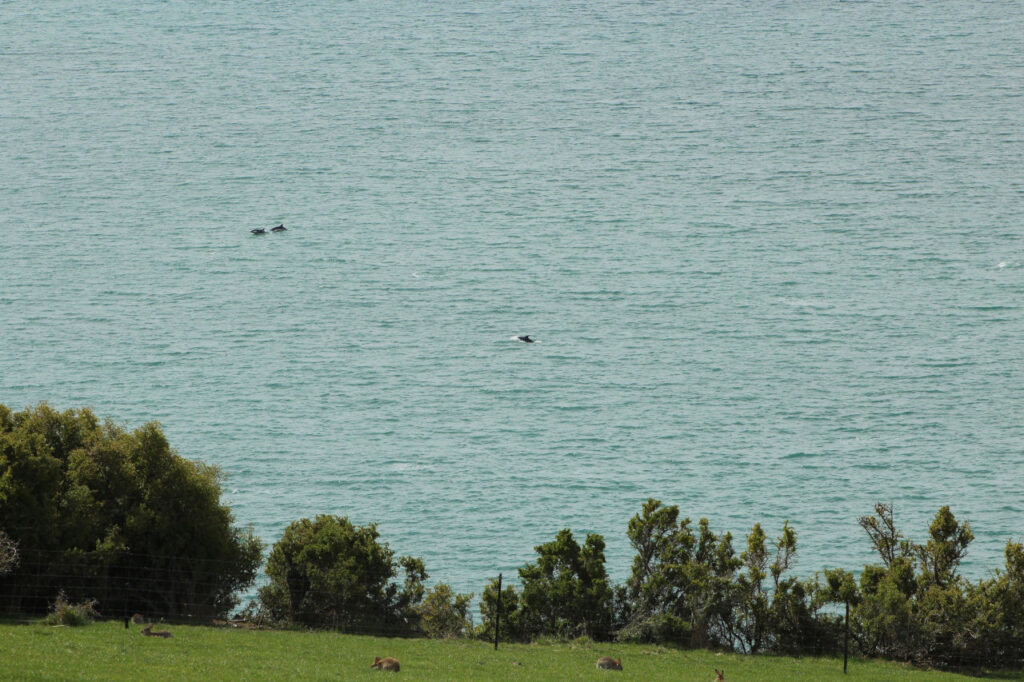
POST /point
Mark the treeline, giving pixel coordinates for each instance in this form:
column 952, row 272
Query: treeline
column 117, row 518
column 690, row 587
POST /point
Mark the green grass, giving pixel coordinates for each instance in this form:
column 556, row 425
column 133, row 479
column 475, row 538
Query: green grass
column 107, row 651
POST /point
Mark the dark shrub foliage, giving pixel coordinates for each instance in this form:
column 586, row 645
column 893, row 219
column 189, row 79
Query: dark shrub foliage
column 917, row 607
column 682, row 587
column 565, row 593
column 508, row 621
column 114, row 516
column 327, row 572
column 691, row 589
column 64, row 612
column 445, row 614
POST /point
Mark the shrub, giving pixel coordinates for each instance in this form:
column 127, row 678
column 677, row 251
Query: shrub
column 655, row 628
column 118, row 515
column 445, row 614
column 917, row 607
column 690, row 588
column 63, row 612
column 327, row 572
column 508, row 621
column 566, row 592
column 682, row 587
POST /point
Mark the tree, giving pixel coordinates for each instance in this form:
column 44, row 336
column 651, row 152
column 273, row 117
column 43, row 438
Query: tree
column 917, row 607
column 663, row 545
column 886, row 538
column 117, row 516
column 681, row 588
column 998, row 613
column 947, row 544
column 787, row 617
column 327, row 572
column 509, row 622
column 445, row 614
column 566, row 592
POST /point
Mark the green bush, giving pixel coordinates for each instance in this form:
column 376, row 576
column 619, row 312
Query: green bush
column 915, row 606
column 445, row 614
column 327, row 572
column 118, row 515
column 64, row 612
column 682, row 588
column 508, row 622
column 565, row 594
column 655, row 629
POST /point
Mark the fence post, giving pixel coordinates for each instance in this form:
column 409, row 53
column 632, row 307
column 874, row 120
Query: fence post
column 497, row 615
column 846, row 636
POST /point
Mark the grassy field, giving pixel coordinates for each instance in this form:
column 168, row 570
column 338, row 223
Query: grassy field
column 107, row 651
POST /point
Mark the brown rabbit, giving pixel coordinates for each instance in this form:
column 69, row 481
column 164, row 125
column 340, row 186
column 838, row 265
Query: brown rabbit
column 148, row 632
column 138, row 619
column 385, row 663
column 608, row 663
column 719, row 675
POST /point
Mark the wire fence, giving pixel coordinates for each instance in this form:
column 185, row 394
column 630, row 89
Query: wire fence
column 132, row 602
column 157, row 588
column 139, row 589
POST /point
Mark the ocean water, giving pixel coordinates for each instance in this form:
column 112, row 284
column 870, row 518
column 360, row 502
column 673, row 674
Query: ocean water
column 773, row 253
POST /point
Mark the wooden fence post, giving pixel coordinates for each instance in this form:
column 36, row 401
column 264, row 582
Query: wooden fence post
column 497, row 615
column 846, row 636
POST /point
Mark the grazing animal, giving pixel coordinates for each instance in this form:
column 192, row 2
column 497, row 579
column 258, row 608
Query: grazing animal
column 719, row 675
column 259, row 230
column 148, row 632
column 525, row 339
column 608, row 663
column 137, row 619
column 385, row 663
column 279, row 228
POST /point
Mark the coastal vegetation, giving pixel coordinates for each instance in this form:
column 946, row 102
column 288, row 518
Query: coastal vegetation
column 330, row 573
column 99, row 522
column 102, row 513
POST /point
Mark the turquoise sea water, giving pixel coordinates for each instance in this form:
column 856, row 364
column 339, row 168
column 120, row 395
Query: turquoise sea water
column 773, row 253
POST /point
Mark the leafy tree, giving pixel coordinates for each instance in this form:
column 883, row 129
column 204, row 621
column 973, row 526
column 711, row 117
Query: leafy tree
column 566, row 592
column 752, row 619
column 691, row 588
column 445, row 614
column 917, row 607
column 887, row 539
column 947, row 544
column 840, row 587
column 327, row 572
column 664, row 548
column 117, row 516
column 997, row 621
column 785, row 616
column 509, row 622
column 681, row 588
